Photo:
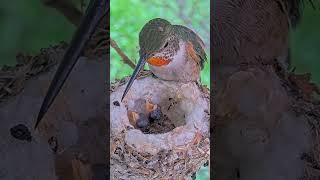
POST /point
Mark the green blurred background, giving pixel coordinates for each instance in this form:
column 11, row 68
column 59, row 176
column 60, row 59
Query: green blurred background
column 28, row 26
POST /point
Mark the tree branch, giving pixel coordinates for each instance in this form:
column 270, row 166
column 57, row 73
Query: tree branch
column 124, row 57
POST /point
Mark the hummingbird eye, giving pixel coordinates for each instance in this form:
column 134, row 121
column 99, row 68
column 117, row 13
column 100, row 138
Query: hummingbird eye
column 165, row 45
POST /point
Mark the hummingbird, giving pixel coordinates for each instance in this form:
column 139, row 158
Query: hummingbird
column 96, row 10
column 173, row 52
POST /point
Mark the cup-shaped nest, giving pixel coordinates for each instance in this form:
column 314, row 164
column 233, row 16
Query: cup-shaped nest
column 174, row 146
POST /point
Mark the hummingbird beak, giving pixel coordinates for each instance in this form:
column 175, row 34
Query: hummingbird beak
column 136, row 71
column 95, row 12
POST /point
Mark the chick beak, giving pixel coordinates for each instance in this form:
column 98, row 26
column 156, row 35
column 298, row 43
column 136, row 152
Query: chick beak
column 136, row 71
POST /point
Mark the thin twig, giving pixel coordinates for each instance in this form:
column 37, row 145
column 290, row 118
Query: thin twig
column 124, row 57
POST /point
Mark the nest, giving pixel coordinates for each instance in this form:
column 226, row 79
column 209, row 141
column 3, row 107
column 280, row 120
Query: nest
column 172, row 148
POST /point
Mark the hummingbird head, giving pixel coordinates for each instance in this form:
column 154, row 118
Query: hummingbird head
column 156, row 41
column 157, row 44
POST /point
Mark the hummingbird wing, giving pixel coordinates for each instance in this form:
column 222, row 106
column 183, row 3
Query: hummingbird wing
column 94, row 13
column 195, row 44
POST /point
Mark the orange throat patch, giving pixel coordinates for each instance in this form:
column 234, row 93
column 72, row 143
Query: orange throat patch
column 158, row 61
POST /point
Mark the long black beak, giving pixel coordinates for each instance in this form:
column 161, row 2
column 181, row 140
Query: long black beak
column 136, row 71
column 94, row 13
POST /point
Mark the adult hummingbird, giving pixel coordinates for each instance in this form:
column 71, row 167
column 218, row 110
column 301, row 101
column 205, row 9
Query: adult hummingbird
column 173, row 52
column 96, row 10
